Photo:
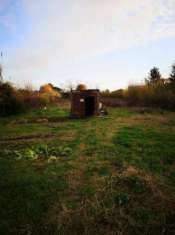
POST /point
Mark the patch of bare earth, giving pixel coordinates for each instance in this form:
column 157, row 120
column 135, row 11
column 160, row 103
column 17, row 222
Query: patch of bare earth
column 129, row 171
column 43, row 120
column 27, row 137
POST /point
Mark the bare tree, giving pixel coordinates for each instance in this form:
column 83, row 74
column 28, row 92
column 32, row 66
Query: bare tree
column 69, row 86
column 28, row 86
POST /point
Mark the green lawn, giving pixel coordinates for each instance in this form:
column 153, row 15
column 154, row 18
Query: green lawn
column 111, row 175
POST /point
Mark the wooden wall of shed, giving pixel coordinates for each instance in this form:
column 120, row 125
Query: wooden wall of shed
column 78, row 108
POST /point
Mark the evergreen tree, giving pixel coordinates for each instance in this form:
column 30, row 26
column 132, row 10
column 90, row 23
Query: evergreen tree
column 154, row 76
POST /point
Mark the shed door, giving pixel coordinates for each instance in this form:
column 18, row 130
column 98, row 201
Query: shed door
column 89, row 105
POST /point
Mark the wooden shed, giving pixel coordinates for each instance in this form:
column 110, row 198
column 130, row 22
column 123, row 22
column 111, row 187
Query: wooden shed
column 84, row 103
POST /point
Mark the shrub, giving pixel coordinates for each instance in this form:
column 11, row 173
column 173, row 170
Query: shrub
column 10, row 103
column 32, row 99
column 49, row 93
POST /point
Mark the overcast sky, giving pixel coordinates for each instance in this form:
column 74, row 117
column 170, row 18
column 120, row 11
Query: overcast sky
column 103, row 43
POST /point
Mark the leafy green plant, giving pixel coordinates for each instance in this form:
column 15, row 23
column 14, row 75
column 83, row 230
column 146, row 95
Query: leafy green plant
column 23, row 154
column 17, row 155
column 60, row 151
column 30, row 154
column 66, row 151
column 43, row 150
column 52, row 159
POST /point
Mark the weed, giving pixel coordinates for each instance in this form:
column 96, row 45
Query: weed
column 90, row 171
column 103, row 171
column 134, row 184
column 61, row 151
column 86, row 191
column 122, row 199
column 42, row 149
column 117, row 162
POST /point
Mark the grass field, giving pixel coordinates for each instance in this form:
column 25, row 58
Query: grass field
column 110, row 175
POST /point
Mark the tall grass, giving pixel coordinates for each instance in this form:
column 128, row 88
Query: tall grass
column 156, row 95
column 151, row 95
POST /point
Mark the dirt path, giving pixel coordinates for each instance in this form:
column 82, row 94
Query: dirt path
column 28, row 137
column 40, row 120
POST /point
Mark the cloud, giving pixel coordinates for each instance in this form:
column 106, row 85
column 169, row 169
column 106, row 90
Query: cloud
column 70, row 29
column 65, row 31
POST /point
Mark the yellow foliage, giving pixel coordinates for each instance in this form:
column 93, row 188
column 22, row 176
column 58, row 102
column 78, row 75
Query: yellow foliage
column 81, row 87
column 46, row 88
column 47, row 91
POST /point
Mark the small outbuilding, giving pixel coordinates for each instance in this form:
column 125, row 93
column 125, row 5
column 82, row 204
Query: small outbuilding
column 85, row 103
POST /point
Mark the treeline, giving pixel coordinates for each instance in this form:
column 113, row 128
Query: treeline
column 156, row 92
column 15, row 100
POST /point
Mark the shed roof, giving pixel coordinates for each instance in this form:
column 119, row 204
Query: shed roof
column 86, row 91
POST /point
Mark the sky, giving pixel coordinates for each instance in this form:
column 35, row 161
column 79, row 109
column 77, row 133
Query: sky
column 106, row 44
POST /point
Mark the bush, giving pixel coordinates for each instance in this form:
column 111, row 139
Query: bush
column 32, row 99
column 49, row 94
column 10, row 103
